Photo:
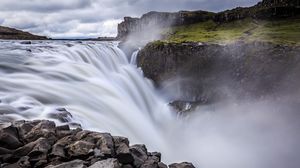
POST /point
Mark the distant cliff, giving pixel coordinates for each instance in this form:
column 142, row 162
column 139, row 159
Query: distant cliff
column 267, row 9
column 161, row 19
column 14, row 34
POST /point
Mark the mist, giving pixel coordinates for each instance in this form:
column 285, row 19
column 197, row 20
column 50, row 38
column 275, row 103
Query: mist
column 251, row 125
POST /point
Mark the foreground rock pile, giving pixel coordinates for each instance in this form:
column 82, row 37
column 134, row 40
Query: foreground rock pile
column 41, row 143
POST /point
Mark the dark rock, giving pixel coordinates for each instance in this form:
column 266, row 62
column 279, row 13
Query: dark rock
column 122, row 150
column 80, row 148
column 108, row 163
column 94, row 149
column 22, row 163
column 139, row 153
column 61, row 115
column 35, row 150
column 182, row 165
column 44, row 129
column 103, row 141
column 71, row 164
column 58, row 148
column 150, row 163
column 162, row 165
column 40, row 150
column 26, row 42
column 9, row 137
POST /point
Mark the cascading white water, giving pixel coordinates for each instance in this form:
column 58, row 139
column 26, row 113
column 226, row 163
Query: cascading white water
column 104, row 91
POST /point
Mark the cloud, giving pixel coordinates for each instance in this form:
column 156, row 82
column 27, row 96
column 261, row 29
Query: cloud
column 92, row 18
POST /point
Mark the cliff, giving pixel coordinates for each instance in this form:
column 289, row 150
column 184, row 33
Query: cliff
column 41, row 143
column 207, row 73
column 14, row 34
column 160, row 20
column 267, row 9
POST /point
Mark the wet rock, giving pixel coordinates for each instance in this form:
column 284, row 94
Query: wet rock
column 25, row 42
column 40, row 150
column 139, row 153
column 108, row 163
column 80, row 148
column 61, row 115
column 182, row 165
column 36, row 150
column 103, row 141
column 162, row 165
column 122, row 150
column 22, row 163
column 9, row 137
column 44, row 129
column 71, row 164
column 58, row 149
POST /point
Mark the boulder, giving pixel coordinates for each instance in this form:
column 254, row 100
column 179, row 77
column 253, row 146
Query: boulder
column 44, row 129
column 9, row 137
column 108, row 163
column 122, row 150
column 80, row 148
column 139, row 153
column 182, row 165
column 71, row 164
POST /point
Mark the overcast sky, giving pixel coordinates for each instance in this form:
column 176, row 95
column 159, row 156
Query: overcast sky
column 92, row 18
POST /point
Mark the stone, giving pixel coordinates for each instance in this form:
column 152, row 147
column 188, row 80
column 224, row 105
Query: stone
column 22, row 163
column 80, row 148
column 44, row 129
column 139, row 153
column 71, row 164
column 58, row 149
column 123, row 153
column 103, row 141
column 150, row 163
column 40, row 150
column 9, row 137
column 108, row 163
column 35, row 150
column 162, row 165
column 182, row 165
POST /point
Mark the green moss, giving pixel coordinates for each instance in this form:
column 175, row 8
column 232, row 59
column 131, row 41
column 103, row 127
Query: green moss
column 281, row 31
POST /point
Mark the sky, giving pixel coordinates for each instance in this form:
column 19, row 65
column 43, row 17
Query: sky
column 93, row 18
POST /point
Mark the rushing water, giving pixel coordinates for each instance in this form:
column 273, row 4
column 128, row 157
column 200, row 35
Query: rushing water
column 104, row 91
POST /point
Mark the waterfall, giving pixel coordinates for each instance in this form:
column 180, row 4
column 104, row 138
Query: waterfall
column 104, row 91
column 94, row 81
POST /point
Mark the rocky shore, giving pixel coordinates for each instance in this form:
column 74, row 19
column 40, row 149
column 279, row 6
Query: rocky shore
column 40, row 143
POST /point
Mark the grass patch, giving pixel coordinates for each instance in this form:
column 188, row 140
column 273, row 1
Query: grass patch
column 280, row 31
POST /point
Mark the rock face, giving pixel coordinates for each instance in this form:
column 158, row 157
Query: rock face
column 160, row 20
column 14, row 34
column 207, row 72
column 41, row 143
column 267, row 9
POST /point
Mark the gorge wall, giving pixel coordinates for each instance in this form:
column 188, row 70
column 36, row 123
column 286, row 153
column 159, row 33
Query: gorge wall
column 206, row 73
